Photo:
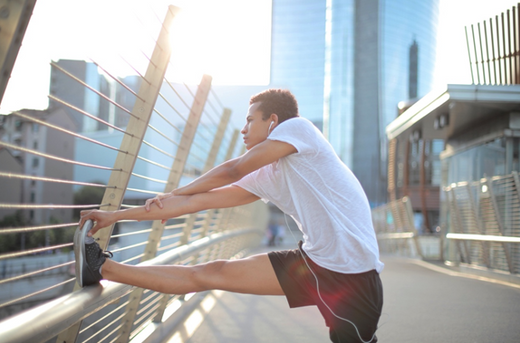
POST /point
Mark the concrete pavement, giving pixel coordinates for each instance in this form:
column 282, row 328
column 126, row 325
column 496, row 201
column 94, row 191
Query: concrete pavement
column 421, row 305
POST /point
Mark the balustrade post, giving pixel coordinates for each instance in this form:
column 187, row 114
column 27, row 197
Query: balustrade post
column 174, row 178
column 129, row 149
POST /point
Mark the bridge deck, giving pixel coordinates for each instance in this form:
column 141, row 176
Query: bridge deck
column 422, row 304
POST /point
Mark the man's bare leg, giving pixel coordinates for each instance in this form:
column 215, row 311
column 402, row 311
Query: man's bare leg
column 252, row 275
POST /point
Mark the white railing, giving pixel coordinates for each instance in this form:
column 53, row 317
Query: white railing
column 394, row 226
column 484, row 222
column 168, row 134
column 480, row 221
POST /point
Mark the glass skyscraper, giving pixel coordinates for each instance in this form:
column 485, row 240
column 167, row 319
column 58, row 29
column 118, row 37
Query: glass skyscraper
column 349, row 63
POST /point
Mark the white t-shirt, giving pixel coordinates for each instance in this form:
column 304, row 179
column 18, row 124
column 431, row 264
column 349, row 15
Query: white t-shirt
column 323, row 196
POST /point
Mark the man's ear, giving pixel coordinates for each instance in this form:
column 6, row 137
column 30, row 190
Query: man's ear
column 274, row 118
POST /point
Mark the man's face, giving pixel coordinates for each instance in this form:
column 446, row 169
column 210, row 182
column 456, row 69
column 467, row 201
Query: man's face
column 256, row 129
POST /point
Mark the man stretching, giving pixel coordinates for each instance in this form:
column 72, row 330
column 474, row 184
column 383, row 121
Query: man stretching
column 289, row 163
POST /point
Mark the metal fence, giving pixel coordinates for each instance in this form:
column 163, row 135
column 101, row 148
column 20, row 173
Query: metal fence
column 172, row 133
column 484, row 222
column 395, row 227
column 494, row 49
column 481, row 225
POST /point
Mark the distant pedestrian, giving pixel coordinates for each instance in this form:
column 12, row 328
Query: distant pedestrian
column 273, row 234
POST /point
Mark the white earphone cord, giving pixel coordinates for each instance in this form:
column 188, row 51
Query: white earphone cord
column 318, row 289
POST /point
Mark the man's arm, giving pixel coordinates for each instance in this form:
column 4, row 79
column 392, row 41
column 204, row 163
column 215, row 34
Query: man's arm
column 172, row 207
column 233, row 170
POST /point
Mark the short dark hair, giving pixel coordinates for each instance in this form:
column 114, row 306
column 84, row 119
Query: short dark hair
column 279, row 101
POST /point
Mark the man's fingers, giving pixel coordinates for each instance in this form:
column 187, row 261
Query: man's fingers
column 83, row 218
column 93, row 230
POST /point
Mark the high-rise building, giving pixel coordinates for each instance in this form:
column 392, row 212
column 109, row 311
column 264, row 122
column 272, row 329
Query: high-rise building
column 381, row 52
column 298, row 53
column 67, row 89
column 349, row 63
column 31, row 136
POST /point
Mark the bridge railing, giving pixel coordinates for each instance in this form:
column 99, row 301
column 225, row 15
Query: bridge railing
column 484, row 223
column 395, row 229
column 480, row 221
column 125, row 152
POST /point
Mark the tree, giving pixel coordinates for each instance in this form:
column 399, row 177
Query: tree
column 11, row 242
column 88, row 195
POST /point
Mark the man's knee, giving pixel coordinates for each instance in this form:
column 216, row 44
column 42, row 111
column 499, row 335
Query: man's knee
column 208, row 275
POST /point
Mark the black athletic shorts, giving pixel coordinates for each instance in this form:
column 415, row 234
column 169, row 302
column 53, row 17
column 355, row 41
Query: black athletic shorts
column 342, row 299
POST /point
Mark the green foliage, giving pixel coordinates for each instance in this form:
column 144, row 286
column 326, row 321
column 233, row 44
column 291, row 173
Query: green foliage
column 88, row 195
column 13, row 220
column 11, row 242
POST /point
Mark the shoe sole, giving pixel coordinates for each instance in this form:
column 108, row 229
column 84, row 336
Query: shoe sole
column 79, row 249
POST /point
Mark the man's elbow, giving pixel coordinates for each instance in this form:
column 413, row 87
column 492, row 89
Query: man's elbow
column 235, row 173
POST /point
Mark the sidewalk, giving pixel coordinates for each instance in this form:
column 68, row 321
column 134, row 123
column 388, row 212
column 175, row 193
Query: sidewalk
column 421, row 305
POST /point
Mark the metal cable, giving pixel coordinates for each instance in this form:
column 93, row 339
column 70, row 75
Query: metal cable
column 52, row 157
column 159, row 150
column 35, row 293
column 105, row 327
column 214, row 109
column 189, row 91
column 150, row 301
column 177, row 93
column 146, row 315
column 133, row 233
column 163, row 135
column 172, row 107
column 169, row 122
column 130, row 247
column 91, row 88
column 49, row 206
column 176, row 226
column 142, row 191
column 134, row 69
column 152, row 162
column 148, row 58
column 22, row 276
column 175, row 235
column 208, row 130
column 121, row 83
column 85, row 113
column 152, row 38
column 167, row 247
column 71, row 133
column 33, row 251
column 47, row 179
column 216, row 97
column 5, row 231
column 105, row 316
column 136, row 257
column 149, row 178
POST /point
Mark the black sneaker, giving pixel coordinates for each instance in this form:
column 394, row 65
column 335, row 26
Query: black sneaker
column 89, row 256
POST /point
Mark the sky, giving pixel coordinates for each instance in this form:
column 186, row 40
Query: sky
column 106, row 30
column 452, row 55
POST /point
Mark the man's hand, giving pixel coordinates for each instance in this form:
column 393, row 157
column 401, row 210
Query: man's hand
column 101, row 219
column 157, row 200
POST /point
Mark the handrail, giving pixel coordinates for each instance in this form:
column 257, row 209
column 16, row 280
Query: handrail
column 57, row 315
column 483, row 238
column 401, row 227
